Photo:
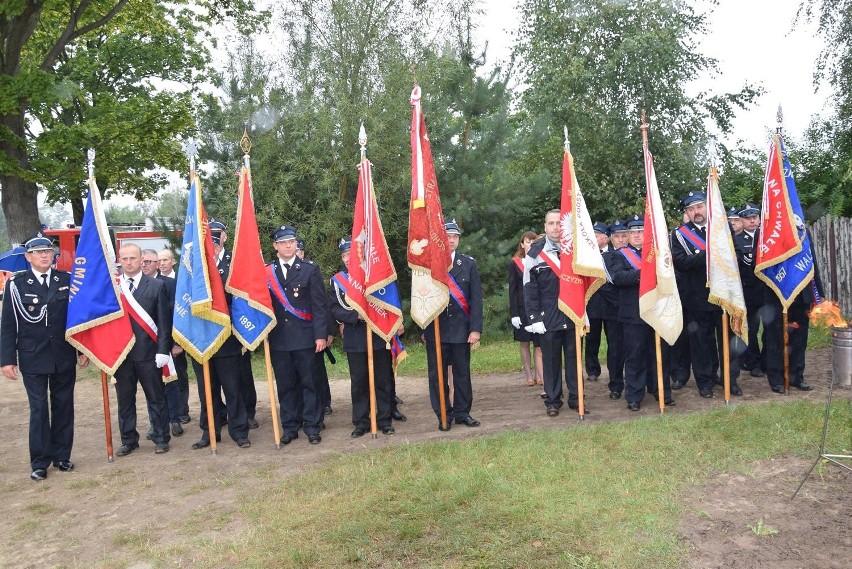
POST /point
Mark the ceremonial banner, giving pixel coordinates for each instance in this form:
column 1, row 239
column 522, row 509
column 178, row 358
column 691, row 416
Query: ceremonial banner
column 97, row 323
column 723, row 273
column 201, row 319
column 785, row 259
column 252, row 316
column 428, row 251
column 372, row 290
column 581, row 268
column 659, row 302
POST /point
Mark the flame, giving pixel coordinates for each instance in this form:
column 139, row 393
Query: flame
column 827, row 314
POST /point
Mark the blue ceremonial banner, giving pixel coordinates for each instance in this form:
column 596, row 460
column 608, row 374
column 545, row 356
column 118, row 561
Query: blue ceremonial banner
column 201, row 319
column 785, row 258
column 96, row 323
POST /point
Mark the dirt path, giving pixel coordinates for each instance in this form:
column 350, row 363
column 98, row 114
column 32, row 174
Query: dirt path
column 87, row 516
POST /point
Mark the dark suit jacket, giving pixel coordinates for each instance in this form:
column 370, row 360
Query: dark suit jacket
column 626, row 279
column 456, row 326
column 691, row 266
column 354, row 330
column 541, row 294
column 152, row 296
column 746, row 246
column 517, row 308
column 35, row 348
column 305, row 290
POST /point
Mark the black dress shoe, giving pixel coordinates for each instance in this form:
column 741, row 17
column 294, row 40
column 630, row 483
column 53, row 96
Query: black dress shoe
column 358, row 432
column 64, row 465
column 397, row 416
column 322, row 425
column 633, row 405
column 735, row 390
column 388, row 430
column 314, row 439
column 552, row 411
column 593, row 377
column 397, row 400
column 287, row 438
column 576, row 407
column 244, row 443
column 677, row 384
column 757, row 372
column 777, row 388
column 185, row 419
column 670, row 402
column 543, row 395
column 161, row 448
column 38, row 474
column 252, row 423
column 614, row 395
column 124, row 450
column 177, row 429
column 707, row 394
column 469, row 421
column 802, row 386
column 204, row 442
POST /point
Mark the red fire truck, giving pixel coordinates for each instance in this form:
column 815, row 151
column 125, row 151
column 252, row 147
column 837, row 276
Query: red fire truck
column 67, row 239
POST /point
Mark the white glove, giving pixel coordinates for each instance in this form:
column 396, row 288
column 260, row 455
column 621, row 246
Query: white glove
column 537, row 328
column 516, row 322
column 161, row 359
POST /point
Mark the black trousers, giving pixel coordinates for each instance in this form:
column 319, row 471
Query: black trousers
column 680, row 361
column 322, row 381
column 798, row 326
column 553, row 346
column 640, row 363
column 51, row 399
column 224, row 378
column 359, row 373
column 177, row 391
column 592, row 345
column 247, row 387
column 458, row 356
column 150, row 377
column 615, row 354
column 753, row 357
column 701, row 327
column 298, row 392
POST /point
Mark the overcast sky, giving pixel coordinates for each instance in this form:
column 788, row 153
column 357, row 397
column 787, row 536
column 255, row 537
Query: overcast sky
column 752, row 41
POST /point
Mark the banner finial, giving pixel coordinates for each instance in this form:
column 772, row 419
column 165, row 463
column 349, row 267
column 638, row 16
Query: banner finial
column 245, row 145
column 91, row 163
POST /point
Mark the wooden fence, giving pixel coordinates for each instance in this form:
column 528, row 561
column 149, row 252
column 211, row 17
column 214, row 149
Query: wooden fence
column 833, row 249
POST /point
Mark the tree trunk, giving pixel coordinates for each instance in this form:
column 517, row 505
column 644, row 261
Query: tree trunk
column 20, row 197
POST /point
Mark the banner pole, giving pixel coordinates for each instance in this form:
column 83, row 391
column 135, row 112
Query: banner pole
column 661, row 392
column 107, row 420
column 276, row 424
column 371, row 374
column 442, row 403
column 784, row 324
column 211, row 418
column 726, row 363
column 581, row 406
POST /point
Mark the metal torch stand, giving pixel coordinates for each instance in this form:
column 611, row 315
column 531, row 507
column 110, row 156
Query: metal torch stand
column 832, row 458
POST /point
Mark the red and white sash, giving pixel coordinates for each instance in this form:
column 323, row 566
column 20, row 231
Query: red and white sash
column 144, row 320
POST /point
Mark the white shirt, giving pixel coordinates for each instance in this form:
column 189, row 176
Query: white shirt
column 291, row 261
column 125, row 278
column 38, row 275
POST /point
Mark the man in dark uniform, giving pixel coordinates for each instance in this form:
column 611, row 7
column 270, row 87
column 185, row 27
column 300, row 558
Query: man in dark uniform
column 640, row 361
column 680, row 363
column 703, row 319
column 614, row 329
column 355, row 346
column 301, row 308
column 147, row 297
column 461, row 328
column 177, row 391
column 753, row 359
column 595, row 313
column 224, row 368
column 541, row 294
column 32, row 336
column 735, row 221
column 798, row 325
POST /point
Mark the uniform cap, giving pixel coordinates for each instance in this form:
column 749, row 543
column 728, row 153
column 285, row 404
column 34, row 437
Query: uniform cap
column 601, row 228
column 636, row 221
column 38, row 243
column 300, row 244
column 692, row 198
column 452, row 227
column 344, row 245
column 618, row 226
column 749, row 210
column 284, row 233
column 733, row 212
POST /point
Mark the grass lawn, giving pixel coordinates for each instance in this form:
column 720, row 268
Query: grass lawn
column 605, row 496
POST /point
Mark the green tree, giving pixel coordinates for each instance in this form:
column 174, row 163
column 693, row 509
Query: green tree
column 93, row 73
column 593, row 65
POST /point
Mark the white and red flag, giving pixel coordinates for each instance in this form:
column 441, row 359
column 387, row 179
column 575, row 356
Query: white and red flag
column 581, row 267
column 428, row 251
column 723, row 273
column 372, row 289
column 659, row 301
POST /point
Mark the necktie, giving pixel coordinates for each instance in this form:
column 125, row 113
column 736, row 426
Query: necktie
column 44, row 281
column 286, row 269
column 130, row 286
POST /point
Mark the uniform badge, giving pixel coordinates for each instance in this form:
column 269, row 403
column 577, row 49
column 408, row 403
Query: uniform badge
column 458, row 262
column 296, row 292
column 55, row 279
column 221, row 271
column 30, row 308
column 30, row 281
column 35, row 301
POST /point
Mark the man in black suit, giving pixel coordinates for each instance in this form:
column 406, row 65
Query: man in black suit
column 640, row 362
column 703, row 319
column 355, row 346
column 596, row 311
column 32, row 336
column 224, row 367
column 461, row 328
column 541, row 296
column 151, row 321
column 301, row 309
column 614, row 329
column 753, row 358
column 177, row 391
